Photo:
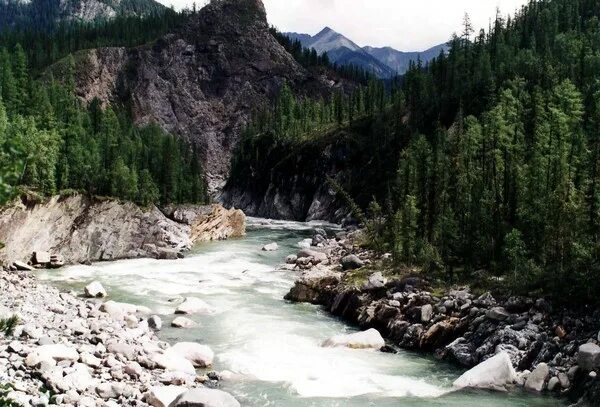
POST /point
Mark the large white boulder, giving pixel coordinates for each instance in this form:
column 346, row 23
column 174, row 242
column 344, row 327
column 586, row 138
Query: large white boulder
column 206, row 398
column 271, row 247
column 95, row 290
column 588, row 357
column 51, row 353
column 193, row 305
column 370, row 339
column 199, row 355
column 537, row 379
column 182, row 322
column 163, row 396
column 496, row 373
column 173, row 362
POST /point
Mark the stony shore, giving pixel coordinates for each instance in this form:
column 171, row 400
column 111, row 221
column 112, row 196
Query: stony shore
column 74, row 351
column 551, row 350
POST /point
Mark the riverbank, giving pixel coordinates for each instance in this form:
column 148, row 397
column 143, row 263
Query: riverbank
column 72, row 351
column 553, row 350
column 81, row 229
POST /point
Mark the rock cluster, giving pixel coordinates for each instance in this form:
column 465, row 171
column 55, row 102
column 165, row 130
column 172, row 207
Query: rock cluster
column 549, row 350
column 76, row 352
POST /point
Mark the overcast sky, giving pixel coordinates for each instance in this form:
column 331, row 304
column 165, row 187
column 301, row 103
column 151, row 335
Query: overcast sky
column 407, row 25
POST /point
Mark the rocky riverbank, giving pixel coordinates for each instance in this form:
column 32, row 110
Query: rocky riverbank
column 81, row 229
column 551, row 350
column 74, row 351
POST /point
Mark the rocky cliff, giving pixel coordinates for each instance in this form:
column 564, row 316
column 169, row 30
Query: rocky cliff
column 82, row 229
column 202, row 82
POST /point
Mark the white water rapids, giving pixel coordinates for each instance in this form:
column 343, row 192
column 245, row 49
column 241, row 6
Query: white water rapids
column 272, row 346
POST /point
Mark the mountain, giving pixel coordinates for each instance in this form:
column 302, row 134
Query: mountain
column 384, row 62
column 399, row 61
column 343, row 51
column 44, row 14
column 201, row 82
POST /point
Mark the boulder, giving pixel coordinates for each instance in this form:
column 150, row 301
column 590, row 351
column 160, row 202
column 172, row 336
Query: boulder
column 271, row 247
column 119, row 310
column 352, row 262
column 315, row 256
column 496, row 373
column 95, row 290
column 588, row 357
column 291, row 259
column 204, row 397
column 375, row 281
column 497, row 314
column 173, row 362
column 553, row 384
column 155, row 322
column 124, row 349
column 19, row 265
column 370, row 339
column 163, row 396
column 164, row 253
column 439, row 334
column 192, row 305
column 182, row 322
column 50, row 353
column 199, row 355
column 537, row 378
column 41, row 258
column 426, row 313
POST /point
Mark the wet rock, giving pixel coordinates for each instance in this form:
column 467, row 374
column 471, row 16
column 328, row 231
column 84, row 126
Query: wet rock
column 183, row 322
column 461, row 351
column 351, row 262
column 588, row 357
column 205, row 397
column 496, row 373
column 193, row 305
column 537, row 379
column 370, row 339
column 95, row 290
column 19, row 265
column 155, row 322
column 439, row 334
column 199, row 355
column 271, row 247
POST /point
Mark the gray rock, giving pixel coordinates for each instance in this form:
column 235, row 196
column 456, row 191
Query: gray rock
column 19, row 265
column 497, row 314
column 352, row 262
column 155, row 322
column 271, row 247
column 291, row 259
column 553, row 384
column 205, row 398
column 375, row 281
column 537, row 378
column 588, row 357
column 426, row 313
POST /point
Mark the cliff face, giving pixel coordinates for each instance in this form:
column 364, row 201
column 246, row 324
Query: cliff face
column 202, row 82
column 81, row 229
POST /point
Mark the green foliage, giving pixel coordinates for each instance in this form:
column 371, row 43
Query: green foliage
column 50, row 142
column 7, row 326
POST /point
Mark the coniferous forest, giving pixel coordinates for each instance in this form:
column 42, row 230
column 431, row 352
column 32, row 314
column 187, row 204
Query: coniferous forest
column 51, row 142
column 498, row 160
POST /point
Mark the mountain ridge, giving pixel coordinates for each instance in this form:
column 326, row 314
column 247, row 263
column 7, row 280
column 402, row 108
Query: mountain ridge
column 385, row 62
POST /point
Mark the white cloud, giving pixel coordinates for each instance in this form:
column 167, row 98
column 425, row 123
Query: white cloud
column 403, row 24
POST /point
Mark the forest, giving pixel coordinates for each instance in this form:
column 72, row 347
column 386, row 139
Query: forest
column 498, row 166
column 50, row 142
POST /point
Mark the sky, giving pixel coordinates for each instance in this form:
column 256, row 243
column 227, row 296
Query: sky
column 407, row 25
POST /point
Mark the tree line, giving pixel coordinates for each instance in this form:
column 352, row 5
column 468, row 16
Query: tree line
column 498, row 164
column 51, row 142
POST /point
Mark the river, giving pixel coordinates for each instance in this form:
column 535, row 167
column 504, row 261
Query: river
column 271, row 345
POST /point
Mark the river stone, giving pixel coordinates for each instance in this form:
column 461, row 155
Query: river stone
column 426, row 313
column 78, row 377
column 173, row 362
column 352, row 262
column 19, row 265
column 199, row 355
column 41, row 258
column 588, row 357
column 497, row 314
column 124, row 349
column 375, row 281
column 192, row 305
column 205, row 398
column 163, row 396
column 496, row 373
column 271, row 247
column 370, row 339
column 553, row 384
column 182, row 322
column 119, row 310
column 56, row 353
column 95, row 290
column 537, row 378
column 155, row 322
column 317, row 257
column 291, row 259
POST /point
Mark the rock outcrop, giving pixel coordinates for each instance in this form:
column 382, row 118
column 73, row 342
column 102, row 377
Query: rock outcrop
column 79, row 229
column 202, row 82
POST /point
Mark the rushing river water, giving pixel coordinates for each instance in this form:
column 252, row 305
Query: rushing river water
column 274, row 345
